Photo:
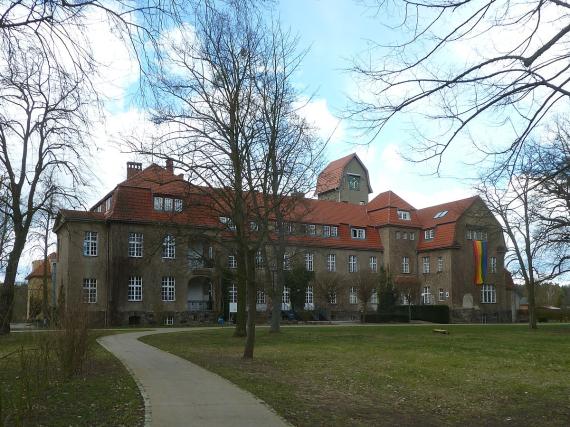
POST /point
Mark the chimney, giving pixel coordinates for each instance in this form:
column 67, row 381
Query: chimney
column 170, row 166
column 133, row 168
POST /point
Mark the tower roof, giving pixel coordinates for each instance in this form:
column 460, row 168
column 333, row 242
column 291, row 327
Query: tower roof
column 331, row 176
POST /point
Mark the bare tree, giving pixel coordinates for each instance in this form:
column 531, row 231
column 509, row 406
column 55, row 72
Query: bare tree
column 367, row 284
column 462, row 65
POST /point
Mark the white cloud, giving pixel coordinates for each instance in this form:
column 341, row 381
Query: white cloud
column 317, row 112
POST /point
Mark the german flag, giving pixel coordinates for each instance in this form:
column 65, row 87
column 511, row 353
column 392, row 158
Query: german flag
column 480, row 261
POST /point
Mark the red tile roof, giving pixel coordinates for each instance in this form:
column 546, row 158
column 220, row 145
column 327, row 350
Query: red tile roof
column 389, row 199
column 331, row 176
column 38, row 271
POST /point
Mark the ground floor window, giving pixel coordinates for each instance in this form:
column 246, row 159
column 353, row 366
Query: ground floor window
column 353, row 295
column 426, row 295
column 332, row 297
column 286, row 299
column 169, row 320
column 309, row 295
column 260, row 298
column 488, row 294
column 441, row 294
column 135, row 288
column 168, row 288
column 90, row 291
column 374, row 297
column 233, row 294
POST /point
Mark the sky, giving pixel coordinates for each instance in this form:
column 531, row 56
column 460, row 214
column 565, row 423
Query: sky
column 335, row 32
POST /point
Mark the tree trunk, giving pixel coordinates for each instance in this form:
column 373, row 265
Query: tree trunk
column 240, row 330
column 276, row 302
column 531, row 306
column 45, row 305
column 7, row 292
column 251, row 304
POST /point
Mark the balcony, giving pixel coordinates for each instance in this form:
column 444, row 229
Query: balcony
column 197, row 263
column 199, row 305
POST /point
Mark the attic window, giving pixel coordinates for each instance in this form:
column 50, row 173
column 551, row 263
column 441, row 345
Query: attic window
column 429, row 234
column 440, row 214
column 358, row 233
column 353, row 182
column 167, row 204
column 404, row 215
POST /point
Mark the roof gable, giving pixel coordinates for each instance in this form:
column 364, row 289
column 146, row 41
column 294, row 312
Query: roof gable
column 331, row 177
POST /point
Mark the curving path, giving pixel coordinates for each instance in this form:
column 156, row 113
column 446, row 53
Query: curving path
column 179, row 393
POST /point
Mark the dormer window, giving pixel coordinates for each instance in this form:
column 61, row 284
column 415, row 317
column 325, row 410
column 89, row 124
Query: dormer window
column 311, row 229
column 353, row 182
column 404, row 215
column 358, row 233
column 440, row 214
column 228, row 222
column 167, row 204
column 429, row 234
column 158, row 203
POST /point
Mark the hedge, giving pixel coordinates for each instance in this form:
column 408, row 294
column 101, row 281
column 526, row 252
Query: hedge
column 400, row 313
column 386, row 317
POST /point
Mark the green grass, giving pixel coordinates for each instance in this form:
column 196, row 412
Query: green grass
column 394, row 375
column 103, row 395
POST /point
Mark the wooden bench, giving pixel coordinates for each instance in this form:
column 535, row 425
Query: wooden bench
column 441, row 331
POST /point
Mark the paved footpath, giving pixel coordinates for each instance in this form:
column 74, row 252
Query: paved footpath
column 180, row 393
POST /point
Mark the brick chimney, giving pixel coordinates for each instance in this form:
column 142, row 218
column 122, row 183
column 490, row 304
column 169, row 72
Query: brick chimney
column 170, row 166
column 133, row 168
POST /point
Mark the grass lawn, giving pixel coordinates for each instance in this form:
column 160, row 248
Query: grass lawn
column 396, row 375
column 103, row 395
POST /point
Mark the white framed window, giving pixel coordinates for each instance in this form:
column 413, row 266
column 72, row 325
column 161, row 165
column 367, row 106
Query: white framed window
column 476, row 235
column 286, row 261
column 334, row 231
column 309, row 265
column 404, row 215
column 441, row 294
column 412, row 236
column 169, row 247
column 253, row 226
column 232, row 262
column 135, row 245
column 259, row 260
column 488, row 294
column 373, row 264
column 353, row 295
column 260, row 297
column 405, row 264
column 90, row 291
column 493, row 264
column 286, row 297
column 429, row 234
column 168, row 204
column 169, row 320
column 178, row 206
column 309, row 296
column 232, row 293
column 168, row 288
column 358, row 233
column 440, row 214
column 352, row 263
column 135, row 288
column 332, row 297
column 374, row 297
column 398, row 234
column 311, row 229
column 404, row 235
column 439, row 264
column 353, row 182
column 425, row 262
column 228, row 223
column 331, row 262
column 158, row 203
column 426, row 295
column 90, row 243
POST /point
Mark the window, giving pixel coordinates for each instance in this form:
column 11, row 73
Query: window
column 135, row 288
column 353, row 182
column 439, row 264
column 326, row 231
column 352, row 263
column 232, row 262
column 331, row 262
column 404, row 235
column 158, row 203
column 332, row 297
column 373, row 264
column 309, row 262
column 374, row 297
column 309, row 296
column 398, row 234
column 286, row 261
column 253, row 226
column 169, row 320
column 168, row 247
column 136, row 245
column 426, row 295
column 358, row 233
column 258, row 260
column 476, row 235
column 425, row 264
column 260, row 297
column 168, row 289
column 412, row 236
column 232, row 293
column 441, row 294
column 334, row 231
column 493, row 264
column 177, row 205
column 90, row 291
column 286, row 298
column 353, row 295
column 90, row 243
column 311, row 229
column 168, row 204
column 440, row 214
column 404, row 215
column 228, row 223
column 405, row 264
column 488, row 294
column 429, row 234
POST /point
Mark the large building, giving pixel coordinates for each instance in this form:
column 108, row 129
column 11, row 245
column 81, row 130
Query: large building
column 154, row 250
